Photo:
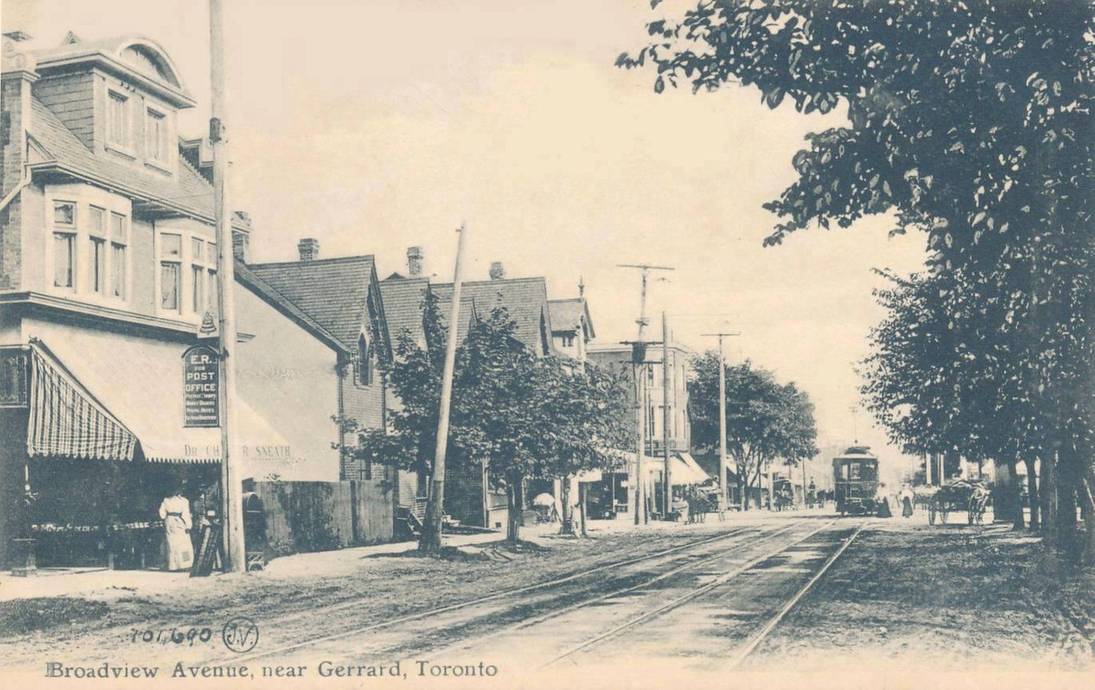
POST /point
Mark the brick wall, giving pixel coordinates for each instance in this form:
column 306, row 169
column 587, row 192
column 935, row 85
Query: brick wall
column 12, row 155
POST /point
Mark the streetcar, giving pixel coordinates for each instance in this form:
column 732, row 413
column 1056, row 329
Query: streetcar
column 855, row 481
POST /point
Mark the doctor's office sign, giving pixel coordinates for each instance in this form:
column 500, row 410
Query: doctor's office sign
column 201, row 387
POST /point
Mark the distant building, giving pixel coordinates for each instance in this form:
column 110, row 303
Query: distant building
column 655, row 401
column 571, row 326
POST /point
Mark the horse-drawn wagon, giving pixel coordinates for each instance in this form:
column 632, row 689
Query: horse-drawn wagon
column 959, row 495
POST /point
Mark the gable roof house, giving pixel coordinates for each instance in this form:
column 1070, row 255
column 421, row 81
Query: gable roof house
column 108, row 266
column 524, row 299
column 571, row 326
column 343, row 294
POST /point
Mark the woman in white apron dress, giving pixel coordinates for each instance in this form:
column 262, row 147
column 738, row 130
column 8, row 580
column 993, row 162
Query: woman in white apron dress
column 175, row 513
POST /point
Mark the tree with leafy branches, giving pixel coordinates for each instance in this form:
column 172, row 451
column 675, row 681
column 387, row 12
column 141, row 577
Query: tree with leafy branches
column 968, row 121
column 765, row 420
column 584, row 421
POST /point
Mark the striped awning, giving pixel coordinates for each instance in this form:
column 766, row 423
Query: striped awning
column 90, row 405
column 66, row 420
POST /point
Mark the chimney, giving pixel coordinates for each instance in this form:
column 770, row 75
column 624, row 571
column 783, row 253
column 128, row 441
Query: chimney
column 308, row 248
column 414, row 262
column 497, row 270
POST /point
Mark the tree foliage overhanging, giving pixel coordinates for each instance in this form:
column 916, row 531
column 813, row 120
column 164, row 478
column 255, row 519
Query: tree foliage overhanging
column 970, row 122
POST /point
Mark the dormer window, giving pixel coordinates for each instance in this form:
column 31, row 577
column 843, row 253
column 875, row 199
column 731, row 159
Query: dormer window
column 155, row 131
column 117, row 120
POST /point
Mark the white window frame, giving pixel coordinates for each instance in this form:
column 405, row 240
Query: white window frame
column 125, row 144
column 70, row 231
column 162, row 261
column 87, row 202
column 187, row 261
column 117, row 241
column 157, row 149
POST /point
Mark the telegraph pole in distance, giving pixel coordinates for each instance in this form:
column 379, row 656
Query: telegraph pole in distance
column 638, row 357
column 723, row 484
column 644, row 272
column 231, row 486
column 667, row 471
column 435, row 508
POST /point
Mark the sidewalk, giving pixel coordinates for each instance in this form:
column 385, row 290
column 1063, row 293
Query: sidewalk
column 107, row 585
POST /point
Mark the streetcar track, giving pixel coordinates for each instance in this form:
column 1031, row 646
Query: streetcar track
column 460, row 605
column 758, row 637
column 684, row 599
column 599, row 600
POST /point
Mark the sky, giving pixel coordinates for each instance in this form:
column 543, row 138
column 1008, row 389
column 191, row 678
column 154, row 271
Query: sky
column 374, row 126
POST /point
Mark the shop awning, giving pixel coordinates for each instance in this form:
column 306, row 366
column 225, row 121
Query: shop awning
column 66, row 420
column 137, row 383
column 684, row 468
column 693, row 472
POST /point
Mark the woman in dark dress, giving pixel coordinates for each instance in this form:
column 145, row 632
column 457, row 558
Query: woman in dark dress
column 883, row 502
column 907, row 501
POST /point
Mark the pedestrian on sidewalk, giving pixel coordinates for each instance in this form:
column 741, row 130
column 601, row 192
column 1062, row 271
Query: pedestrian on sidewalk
column 883, row 502
column 907, row 501
column 175, row 513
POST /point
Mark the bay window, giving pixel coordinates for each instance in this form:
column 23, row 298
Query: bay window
column 197, row 275
column 118, row 243
column 96, row 231
column 211, row 260
column 170, row 278
column 64, row 259
column 64, row 244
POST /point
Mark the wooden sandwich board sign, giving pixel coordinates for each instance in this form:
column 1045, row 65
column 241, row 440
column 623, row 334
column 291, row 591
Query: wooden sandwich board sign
column 210, row 552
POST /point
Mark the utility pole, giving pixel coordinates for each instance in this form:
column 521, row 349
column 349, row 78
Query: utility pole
column 803, row 462
column 644, row 270
column 638, row 358
column 667, row 470
column 638, row 372
column 435, row 508
column 640, row 420
column 231, row 481
column 723, row 484
column 854, row 409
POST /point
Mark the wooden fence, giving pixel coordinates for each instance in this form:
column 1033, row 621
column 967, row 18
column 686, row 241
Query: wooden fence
column 321, row 516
